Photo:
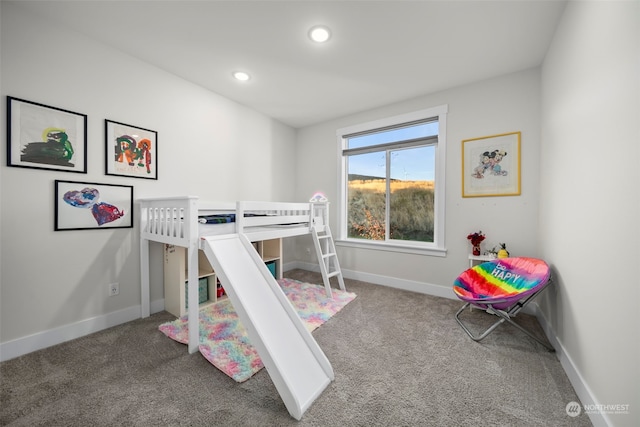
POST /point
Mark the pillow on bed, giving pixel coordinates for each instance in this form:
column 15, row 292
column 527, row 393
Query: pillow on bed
column 217, row 219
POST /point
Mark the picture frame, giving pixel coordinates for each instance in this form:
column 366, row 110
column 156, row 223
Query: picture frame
column 90, row 205
column 491, row 165
column 131, row 151
column 40, row 136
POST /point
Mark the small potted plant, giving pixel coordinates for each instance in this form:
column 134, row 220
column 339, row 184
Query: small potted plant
column 476, row 239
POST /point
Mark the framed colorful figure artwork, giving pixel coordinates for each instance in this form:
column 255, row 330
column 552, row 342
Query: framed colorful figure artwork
column 89, row 205
column 44, row 137
column 491, row 165
column 131, row 151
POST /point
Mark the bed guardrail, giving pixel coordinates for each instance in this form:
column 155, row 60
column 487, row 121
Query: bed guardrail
column 174, row 221
column 270, row 213
column 168, row 220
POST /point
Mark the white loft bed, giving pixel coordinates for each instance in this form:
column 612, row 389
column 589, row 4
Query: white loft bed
column 175, row 221
column 295, row 362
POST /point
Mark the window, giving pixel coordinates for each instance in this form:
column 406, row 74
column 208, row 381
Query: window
column 392, row 186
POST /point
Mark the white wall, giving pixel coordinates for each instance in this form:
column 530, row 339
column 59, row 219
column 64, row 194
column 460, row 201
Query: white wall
column 208, row 146
column 590, row 206
column 505, row 104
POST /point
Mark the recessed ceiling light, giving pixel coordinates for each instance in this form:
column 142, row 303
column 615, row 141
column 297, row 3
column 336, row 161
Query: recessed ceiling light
column 319, row 34
column 241, row 75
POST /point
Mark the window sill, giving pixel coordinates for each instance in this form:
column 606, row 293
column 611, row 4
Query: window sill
column 393, row 247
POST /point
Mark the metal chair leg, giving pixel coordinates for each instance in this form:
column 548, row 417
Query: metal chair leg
column 503, row 317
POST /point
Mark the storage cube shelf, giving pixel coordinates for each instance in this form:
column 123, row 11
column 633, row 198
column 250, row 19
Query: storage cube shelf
column 176, row 275
column 206, row 285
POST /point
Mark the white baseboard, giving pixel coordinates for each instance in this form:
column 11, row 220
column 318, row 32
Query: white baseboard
column 44, row 339
column 156, row 306
column 392, row 282
column 598, row 419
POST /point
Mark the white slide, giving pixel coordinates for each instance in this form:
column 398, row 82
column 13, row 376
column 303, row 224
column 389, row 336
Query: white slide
column 297, row 366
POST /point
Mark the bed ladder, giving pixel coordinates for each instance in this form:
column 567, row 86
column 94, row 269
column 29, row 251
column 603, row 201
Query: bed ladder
column 327, row 257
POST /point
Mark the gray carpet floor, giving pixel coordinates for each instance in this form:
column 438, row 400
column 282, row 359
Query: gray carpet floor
column 399, row 358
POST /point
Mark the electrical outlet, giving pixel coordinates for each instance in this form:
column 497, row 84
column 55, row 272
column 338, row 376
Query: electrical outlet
column 308, row 251
column 114, row 289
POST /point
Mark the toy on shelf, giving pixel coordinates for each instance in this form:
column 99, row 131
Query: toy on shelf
column 219, row 289
column 503, row 253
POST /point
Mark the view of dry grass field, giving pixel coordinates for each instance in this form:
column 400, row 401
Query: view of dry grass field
column 378, row 185
column 411, row 209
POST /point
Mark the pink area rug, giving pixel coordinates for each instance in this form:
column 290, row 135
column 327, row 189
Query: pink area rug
column 224, row 341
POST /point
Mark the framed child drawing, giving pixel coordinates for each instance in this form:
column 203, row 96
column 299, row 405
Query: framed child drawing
column 44, row 137
column 491, row 165
column 131, row 151
column 89, row 205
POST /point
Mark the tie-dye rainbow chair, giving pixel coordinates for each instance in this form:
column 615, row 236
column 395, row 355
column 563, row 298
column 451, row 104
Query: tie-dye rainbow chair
column 502, row 287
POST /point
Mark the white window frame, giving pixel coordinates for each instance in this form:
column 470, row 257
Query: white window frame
column 435, row 248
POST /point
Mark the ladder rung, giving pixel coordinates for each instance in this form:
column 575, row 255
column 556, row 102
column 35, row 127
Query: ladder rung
column 324, row 237
column 328, row 255
column 333, row 274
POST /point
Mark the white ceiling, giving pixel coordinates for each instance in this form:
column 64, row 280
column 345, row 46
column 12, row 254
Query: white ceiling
column 380, row 52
